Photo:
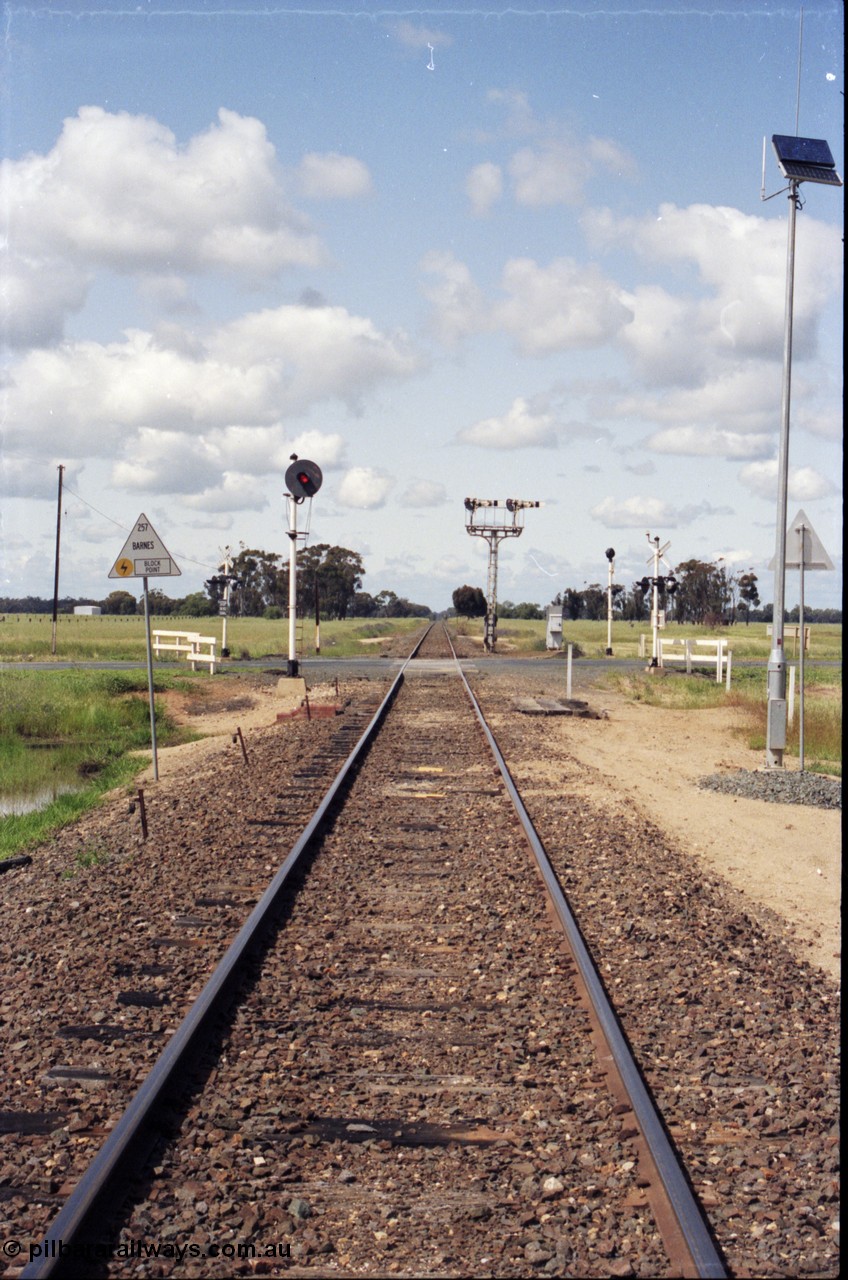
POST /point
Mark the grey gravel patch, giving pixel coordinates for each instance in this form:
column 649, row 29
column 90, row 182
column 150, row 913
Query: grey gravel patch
column 780, row 788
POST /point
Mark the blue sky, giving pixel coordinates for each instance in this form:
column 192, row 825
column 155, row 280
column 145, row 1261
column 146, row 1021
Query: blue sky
column 514, row 251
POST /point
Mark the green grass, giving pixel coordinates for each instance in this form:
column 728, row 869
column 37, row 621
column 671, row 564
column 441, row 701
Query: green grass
column 28, row 637
column 75, row 728
column 748, row 644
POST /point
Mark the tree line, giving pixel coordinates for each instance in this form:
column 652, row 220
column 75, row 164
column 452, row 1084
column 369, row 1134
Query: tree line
column 698, row 591
column 329, row 580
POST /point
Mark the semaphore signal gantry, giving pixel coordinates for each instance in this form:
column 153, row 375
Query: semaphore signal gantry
column 499, row 520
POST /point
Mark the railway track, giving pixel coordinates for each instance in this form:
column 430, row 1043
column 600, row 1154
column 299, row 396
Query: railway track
column 418, row 1075
column 409, row 1076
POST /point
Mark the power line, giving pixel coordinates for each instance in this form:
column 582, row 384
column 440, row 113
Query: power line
column 125, row 528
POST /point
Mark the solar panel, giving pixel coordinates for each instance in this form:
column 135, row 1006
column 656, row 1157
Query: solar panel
column 811, row 150
column 805, row 159
column 810, row 173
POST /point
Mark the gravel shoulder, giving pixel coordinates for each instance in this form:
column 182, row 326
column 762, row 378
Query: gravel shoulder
column 784, row 858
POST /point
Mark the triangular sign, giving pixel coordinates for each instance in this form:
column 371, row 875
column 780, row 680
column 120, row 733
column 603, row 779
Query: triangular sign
column 815, row 556
column 144, row 555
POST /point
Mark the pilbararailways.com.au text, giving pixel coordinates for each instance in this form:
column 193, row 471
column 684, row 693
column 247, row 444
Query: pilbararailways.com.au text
column 140, row 1249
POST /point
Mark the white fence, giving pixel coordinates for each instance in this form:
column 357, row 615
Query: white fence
column 695, row 653
column 195, row 647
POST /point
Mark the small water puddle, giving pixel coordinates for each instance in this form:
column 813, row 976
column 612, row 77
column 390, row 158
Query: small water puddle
column 48, row 777
column 31, row 800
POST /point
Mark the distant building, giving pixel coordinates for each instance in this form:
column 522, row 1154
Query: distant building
column 88, row 610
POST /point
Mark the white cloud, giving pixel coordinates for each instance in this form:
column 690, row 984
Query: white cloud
column 169, row 293
column 18, row 478
column 117, row 191
column 642, row 512
column 218, row 472
column 556, row 308
column 425, row 493
column 484, row 187
column 35, row 303
column 742, row 260
column 741, row 557
column 707, row 442
column 459, row 305
column 234, row 491
column 553, row 173
column 168, row 462
column 742, row 400
column 805, row 483
column 450, row 568
column 249, row 372
column 415, row 37
column 520, row 118
column 330, row 176
column 559, row 307
column 558, row 164
column 364, row 488
column 518, row 428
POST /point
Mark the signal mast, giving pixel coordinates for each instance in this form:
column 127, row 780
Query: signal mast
column 500, row 520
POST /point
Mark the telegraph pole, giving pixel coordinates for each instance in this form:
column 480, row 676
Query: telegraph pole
column 224, row 604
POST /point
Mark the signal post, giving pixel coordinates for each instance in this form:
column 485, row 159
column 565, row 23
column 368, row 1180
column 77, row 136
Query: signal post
column 303, row 480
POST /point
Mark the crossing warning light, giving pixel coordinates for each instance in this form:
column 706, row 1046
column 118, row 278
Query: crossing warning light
column 303, row 478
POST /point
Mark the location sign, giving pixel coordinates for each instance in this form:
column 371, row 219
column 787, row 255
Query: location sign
column 144, row 555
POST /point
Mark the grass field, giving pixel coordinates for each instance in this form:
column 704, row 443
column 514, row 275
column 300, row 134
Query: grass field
column 28, row 637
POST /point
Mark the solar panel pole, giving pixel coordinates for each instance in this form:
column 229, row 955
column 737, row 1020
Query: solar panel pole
column 800, row 160
column 776, row 676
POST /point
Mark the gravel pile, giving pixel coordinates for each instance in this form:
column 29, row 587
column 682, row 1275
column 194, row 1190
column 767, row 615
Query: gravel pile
column 779, row 787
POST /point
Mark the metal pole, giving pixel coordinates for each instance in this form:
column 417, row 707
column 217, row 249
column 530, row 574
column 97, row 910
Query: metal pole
column 56, row 570
column 225, row 653
column 291, row 669
column 490, row 636
column 568, row 672
column 150, row 684
column 776, row 678
column 791, row 699
column 317, row 619
column 655, row 611
column 609, row 609
column 801, row 532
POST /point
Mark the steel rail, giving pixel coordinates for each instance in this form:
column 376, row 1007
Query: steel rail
column 705, row 1257
column 62, row 1244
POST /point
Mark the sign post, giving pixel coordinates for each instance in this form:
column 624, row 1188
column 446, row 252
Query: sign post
column 806, row 553
column 144, row 556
